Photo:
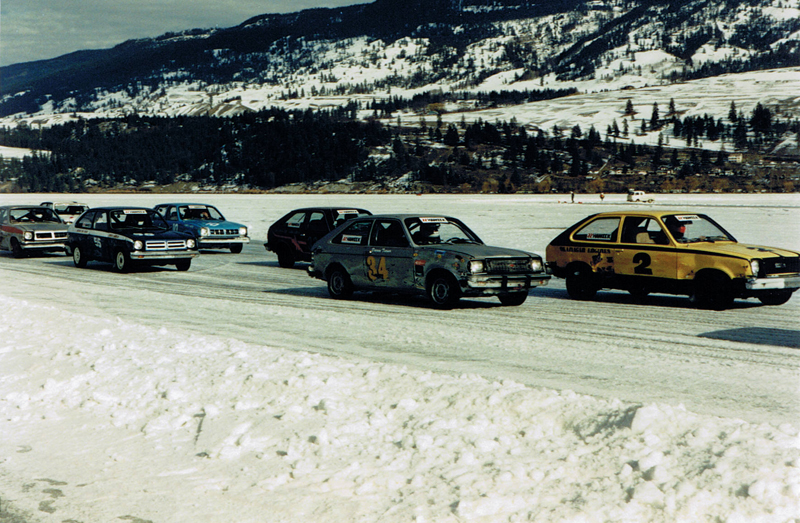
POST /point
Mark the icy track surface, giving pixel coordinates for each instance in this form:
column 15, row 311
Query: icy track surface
column 239, row 391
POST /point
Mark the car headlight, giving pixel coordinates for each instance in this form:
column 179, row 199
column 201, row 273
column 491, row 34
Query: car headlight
column 203, row 231
column 755, row 266
column 536, row 265
column 242, row 231
column 190, row 243
column 138, row 245
column 476, row 266
column 27, row 236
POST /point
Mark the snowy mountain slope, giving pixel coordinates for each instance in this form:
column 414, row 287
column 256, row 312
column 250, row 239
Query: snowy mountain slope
column 389, row 48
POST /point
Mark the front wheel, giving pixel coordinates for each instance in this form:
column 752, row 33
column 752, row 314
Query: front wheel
column 236, row 248
column 713, row 291
column 285, row 257
column 16, row 249
column 121, row 261
column 580, row 284
column 443, row 291
column 514, row 298
column 183, row 265
column 778, row 297
column 78, row 258
column 339, row 284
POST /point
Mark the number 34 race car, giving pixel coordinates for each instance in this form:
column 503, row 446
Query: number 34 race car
column 670, row 252
column 437, row 256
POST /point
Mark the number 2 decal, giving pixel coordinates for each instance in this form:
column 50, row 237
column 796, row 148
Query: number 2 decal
column 377, row 270
column 643, row 259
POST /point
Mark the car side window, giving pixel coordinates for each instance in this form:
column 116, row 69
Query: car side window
column 356, row 233
column 388, row 233
column 317, row 224
column 600, row 230
column 296, row 220
column 642, row 229
column 85, row 221
column 172, row 213
column 101, row 222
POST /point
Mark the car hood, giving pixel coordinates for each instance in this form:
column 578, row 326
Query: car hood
column 213, row 224
column 155, row 235
column 744, row 250
column 41, row 226
column 478, row 250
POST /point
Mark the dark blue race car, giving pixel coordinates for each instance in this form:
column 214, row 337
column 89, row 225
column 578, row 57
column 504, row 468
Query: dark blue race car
column 127, row 236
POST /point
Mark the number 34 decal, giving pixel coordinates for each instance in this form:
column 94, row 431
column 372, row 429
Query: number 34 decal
column 377, row 269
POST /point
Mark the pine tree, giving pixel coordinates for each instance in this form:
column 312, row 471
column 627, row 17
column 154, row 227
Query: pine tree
column 654, row 125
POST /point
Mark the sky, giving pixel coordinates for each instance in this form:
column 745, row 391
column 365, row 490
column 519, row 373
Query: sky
column 42, row 29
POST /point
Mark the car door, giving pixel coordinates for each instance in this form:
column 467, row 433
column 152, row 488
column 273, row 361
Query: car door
column 101, row 238
column 389, row 261
column 81, row 235
column 644, row 253
column 3, row 225
column 349, row 249
column 315, row 227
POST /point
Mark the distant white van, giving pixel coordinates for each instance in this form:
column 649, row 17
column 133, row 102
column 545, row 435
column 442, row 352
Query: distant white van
column 639, row 196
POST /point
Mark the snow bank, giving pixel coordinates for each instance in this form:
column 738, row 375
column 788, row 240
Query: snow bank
column 103, row 419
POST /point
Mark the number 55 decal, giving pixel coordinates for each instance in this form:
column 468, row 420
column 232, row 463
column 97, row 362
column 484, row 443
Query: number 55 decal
column 643, row 259
column 377, row 270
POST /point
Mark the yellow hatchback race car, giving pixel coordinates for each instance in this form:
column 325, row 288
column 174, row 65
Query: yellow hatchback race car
column 671, row 252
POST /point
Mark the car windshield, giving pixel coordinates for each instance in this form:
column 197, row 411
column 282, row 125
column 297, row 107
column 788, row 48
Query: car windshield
column 33, row 215
column 136, row 219
column 200, row 212
column 439, row 230
column 692, row 228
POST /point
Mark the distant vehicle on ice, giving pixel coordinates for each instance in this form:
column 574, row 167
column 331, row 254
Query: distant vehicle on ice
column 67, row 211
column 639, row 196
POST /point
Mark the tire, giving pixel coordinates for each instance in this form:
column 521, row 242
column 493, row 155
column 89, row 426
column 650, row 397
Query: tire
column 778, row 297
column 236, row 248
column 339, row 284
column 16, row 249
column 121, row 261
column 183, row 265
column 713, row 291
column 580, row 283
column 443, row 291
column 78, row 258
column 285, row 257
column 513, row 299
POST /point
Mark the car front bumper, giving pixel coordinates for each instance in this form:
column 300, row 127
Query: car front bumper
column 162, row 255
column 39, row 245
column 207, row 241
column 495, row 283
column 776, row 283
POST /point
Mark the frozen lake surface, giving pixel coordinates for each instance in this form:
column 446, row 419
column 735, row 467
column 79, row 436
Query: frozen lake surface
column 240, row 391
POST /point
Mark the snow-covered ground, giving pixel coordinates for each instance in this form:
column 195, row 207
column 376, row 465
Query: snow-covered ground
column 239, row 392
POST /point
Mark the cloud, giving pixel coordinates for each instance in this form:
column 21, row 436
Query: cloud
column 42, row 29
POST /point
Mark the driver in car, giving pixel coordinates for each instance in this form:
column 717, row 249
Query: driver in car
column 427, row 234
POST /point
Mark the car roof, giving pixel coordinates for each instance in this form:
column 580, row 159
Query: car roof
column 23, row 206
column 329, row 208
column 121, row 208
column 642, row 212
column 409, row 215
column 178, row 204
